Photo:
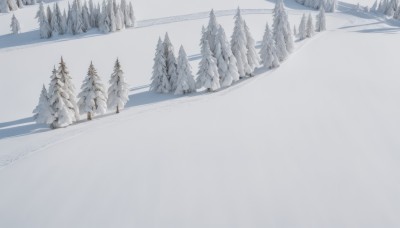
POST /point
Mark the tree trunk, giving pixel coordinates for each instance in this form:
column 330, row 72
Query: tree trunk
column 117, row 109
column 89, row 116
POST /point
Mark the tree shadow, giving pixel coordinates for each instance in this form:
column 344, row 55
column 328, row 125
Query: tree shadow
column 21, row 127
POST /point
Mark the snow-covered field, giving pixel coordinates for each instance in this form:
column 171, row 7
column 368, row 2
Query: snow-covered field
column 313, row 143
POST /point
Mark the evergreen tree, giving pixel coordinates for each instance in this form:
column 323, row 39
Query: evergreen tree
column 69, row 89
column 118, row 90
column 186, row 83
column 239, row 45
column 43, row 113
column 268, row 50
column 85, row 18
column 211, row 32
column 310, row 27
column 15, row 27
column 302, row 28
column 226, row 61
column 132, row 15
column 44, row 27
column 281, row 28
column 56, row 21
column 93, row 97
column 207, row 75
column 49, row 17
column 321, row 20
column 59, row 104
column 160, row 83
column 170, row 62
column 252, row 56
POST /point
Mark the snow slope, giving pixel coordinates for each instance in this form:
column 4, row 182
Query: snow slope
column 313, row 143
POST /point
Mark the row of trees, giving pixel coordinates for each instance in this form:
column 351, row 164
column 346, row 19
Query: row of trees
column 11, row 5
column 329, row 5
column 80, row 18
column 390, row 8
column 58, row 107
column 306, row 27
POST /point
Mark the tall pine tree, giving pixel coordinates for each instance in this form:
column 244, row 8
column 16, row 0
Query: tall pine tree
column 186, row 83
column 118, row 90
column 160, row 83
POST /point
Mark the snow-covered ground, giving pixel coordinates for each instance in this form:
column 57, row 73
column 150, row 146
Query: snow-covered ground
column 314, row 143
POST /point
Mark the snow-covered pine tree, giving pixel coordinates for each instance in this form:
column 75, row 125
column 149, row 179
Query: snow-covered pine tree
column 85, row 18
column 170, row 62
column 252, row 55
column 321, row 20
column 207, row 76
column 374, row 6
column 160, row 83
column 15, row 27
column 44, row 27
column 59, row 104
column 186, row 83
column 63, row 24
column 226, row 61
column 4, row 7
column 111, row 16
column 76, row 18
column 118, row 90
column 119, row 19
column 268, row 50
column 239, row 45
column 132, row 15
column 49, row 17
column 43, row 113
column 93, row 97
column 55, row 20
column 281, row 25
column 302, row 28
column 69, row 89
column 310, row 26
column 211, row 32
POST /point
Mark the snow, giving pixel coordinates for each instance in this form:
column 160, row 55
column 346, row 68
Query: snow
column 313, row 143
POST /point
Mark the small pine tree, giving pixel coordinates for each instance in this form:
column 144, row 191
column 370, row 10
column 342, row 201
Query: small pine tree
column 170, row 62
column 44, row 27
column 211, row 32
column 310, row 27
column 15, row 27
column 281, row 28
column 132, row 15
column 93, row 97
column 43, row 112
column 302, row 28
column 118, row 91
column 268, row 50
column 321, row 20
column 186, row 83
column 208, row 76
column 252, row 56
column 239, row 45
column 160, row 83
column 226, row 61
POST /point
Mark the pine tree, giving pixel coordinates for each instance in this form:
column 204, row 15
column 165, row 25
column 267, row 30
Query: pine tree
column 186, row 83
column 226, row 61
column 252, row 56
column 170, row 62
column 44, row 26
column 281, row 28
column 321, row 20
column 85, row 18
column 268, row 50
column 207, row 76
column 43, row 112
column 374, row 6
column 132, row 15
column 310, row 26
column 118, row 90
column 160, row 83
column 59, row 104
column 93, row 97
column 56, row 21
column 69, row 89
column 15, row 28
column 49, row 18
column 239, row 45
column 211, row 32
column 302, row 28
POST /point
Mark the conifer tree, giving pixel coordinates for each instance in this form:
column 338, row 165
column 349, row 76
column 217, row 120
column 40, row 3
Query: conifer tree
column 69, row 89
column 207, row 76
column 160, row 83
column 268, row 50
column 118, row 90
column 252, row 56
column 281, row 28
column 170, row 62
column 239, row 45
column 132, row 15
column 310, row 27
column 93, row 97
column 15, row 27
column 321, row 20
column 44, row 27
column 43, row 113
column 186, row 83
column 302, row 28
column 211, row 32
column 226, row 61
